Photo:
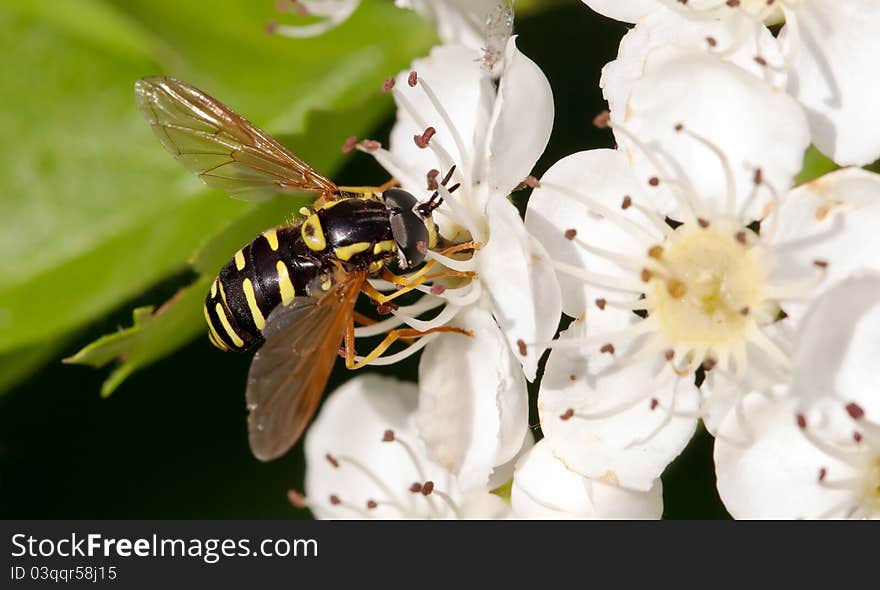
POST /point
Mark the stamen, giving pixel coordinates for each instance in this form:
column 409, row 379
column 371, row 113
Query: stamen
column 469, row 265
column 399, row 356
column 729, row 177
column 598, row 279
column 386, row 491
column 401, row 314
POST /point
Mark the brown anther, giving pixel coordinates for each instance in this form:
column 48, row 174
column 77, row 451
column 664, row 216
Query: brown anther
column 427, row 488
column 741, row 237
column 334, row 499
column 531, row 182
column 627, row 202
column 412, row 79
column 758, row 177
column 654, row 181
column 424, row 139
column 296, row 498
column 654, row 403
column 855, row 411
column 760, row 60
column 676, row 288
column 669, row 354
column 704, row 223
column 432, row 175
column 655, row 252
column 646, row 275
column 857, row 436
column 607, row 348
column 822, row 474
column 823, row 264
column 332, row 460
column 600, row 303
column 415, row 488
column 801, row 421
column 732, row 3
column 602, row 120
column 711, row 41
column 372, row 504
column 570, row 234
column 521, row 347
column 371, row 145
column 572, row 377
column 567, row 414
column 349, row 144
column 388, row 85
column 679, row 127
column 708, row 364
column 271, row 26
column 388, row 436
column 437, row 289
column 744, row 311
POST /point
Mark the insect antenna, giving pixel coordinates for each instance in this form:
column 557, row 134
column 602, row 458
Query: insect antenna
column 436, row 200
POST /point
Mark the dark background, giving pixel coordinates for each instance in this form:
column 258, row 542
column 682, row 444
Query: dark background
column 172, row 442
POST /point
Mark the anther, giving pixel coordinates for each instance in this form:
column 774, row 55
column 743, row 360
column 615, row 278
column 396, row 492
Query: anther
column 823, row 472
column 732, row 3
column 744, row 312
column 370, row 145
column 271, row 27
column 412, row 79
column 669, row 355
column 371, row 504
column 654, row 181
column 334, row 499
column 711, row 41
column 600, row 303
column 572, row 377
column 855, row 411
column 531, row 182
column 801, row 421
column 627, row 202
column 758, row 177
column 654, row 403
column 607, row 348
column 741, row 237
column 823, row 264
column 602, row 120
column 857, row 436
column 567, row 414
column 708, row 364
column 646, row 275
column 704, row 223
column 388, row 436
column 570, row 234
column 760, row 60
column 655, row 252
column 676, row 288
column 521, row 346
column 297, row 499
column 415, row 488
column 349, row 144
column 332, row 460
column 432, row 175
column 679, row 127
column 427, row 488
column 388, row 85
column 424, row 139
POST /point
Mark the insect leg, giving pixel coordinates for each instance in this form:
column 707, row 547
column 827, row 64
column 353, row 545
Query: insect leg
column 370, row 190
column 391, row 338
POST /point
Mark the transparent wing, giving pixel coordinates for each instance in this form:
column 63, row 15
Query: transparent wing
column 290, row 371
column 220, row 146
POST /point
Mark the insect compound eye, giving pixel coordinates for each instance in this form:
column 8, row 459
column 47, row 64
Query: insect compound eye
column 409, row 229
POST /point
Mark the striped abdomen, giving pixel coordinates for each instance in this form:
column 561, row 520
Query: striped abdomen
column 271, row 270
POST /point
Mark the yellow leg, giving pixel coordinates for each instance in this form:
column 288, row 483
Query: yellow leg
column 390, row 339
column 370, row 190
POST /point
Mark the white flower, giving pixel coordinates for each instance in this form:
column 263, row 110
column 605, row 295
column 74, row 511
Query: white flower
column 543, row 488
column 815, row 453
column 824, row 57
column 473, row 410
column 364, row 459
column 715, row 149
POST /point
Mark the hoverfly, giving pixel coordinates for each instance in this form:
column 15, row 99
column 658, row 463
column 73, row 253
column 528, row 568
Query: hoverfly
column 294, row 286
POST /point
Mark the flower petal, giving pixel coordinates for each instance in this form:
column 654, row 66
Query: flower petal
column 584, row 192
column 612, row 419
column 753, row 125
column 521, row 122
column 463, row 91
column 629, row 11
column 473, row 406
column 526, row 300
column 457, row 21
column 830, row 222
column 833, row 47
column 352, row 423
column 544, row 488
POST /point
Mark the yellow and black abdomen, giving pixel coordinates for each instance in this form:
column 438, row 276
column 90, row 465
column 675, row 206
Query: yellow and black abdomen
column 296, row 260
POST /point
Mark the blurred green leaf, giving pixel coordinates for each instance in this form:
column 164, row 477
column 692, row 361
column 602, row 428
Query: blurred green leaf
column 815, row 165
column 92, row 210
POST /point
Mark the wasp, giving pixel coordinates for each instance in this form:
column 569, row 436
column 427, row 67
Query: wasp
column 294, row 287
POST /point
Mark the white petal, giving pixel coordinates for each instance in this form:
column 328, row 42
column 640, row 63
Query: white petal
column 836, row 360
column 466, row 94
column 775, row 475
column 483, row 505
column 574, row 194
column 833, row 47
column 457, row 21
column 334, row 12
column 752, row 124
column 502, row 474
column 618, row 433
column 521, row 122
column 832, row 219
column 352, row 423
column 544, row 488
column 736, row 37
column 526, row 300
column 473, row 405
column 628, row 11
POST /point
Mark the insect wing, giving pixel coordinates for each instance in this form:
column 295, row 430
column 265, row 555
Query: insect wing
column 220, row 146
column 290, row 371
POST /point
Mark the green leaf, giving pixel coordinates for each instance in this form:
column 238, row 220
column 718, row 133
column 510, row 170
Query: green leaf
column 92, row 210
column 815, row 165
